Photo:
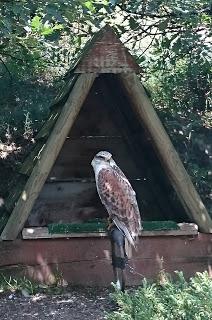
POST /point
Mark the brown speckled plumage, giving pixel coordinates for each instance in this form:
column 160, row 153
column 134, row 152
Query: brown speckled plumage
column 118, row 196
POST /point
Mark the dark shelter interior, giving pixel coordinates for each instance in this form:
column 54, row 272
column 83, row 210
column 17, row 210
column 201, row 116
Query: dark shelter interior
column 106, row 121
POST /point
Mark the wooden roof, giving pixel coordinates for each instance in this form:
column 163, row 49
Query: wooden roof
column 103, row 54
column 106, row 54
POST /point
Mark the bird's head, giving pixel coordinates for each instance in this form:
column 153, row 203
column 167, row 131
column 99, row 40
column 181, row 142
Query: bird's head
column 101, row 158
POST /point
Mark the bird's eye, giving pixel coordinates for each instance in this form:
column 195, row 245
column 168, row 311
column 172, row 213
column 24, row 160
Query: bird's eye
column 101, row 157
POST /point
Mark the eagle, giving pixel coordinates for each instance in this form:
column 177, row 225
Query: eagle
column 118, row 197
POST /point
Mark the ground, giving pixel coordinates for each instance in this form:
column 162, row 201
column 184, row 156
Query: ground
column 74, row 304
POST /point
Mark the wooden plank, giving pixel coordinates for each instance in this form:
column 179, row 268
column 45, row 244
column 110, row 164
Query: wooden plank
column 66, row 202
column 100, row 122
column 48, row 156
column 77, row 201
column 74, row 160
column 38, row 259
column 67, row 190
column 94, row 248
column 49, row 123
column 43, row 134
column 99, row 273
column 42, row 233
column 65, row 91
column 166, row 152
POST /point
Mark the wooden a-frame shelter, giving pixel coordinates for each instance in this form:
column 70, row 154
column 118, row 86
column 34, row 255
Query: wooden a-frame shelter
column 104, row 54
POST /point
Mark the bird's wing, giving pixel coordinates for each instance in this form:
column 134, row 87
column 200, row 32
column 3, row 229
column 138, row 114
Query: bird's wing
column 119, row 199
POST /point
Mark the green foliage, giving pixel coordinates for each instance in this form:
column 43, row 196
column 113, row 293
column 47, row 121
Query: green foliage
column 170, row 300
column 12, row 284
column 171, row 40
column 44, row 29
column 182, row 95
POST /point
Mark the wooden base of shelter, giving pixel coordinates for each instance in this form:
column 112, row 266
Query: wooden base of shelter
column 87, row 260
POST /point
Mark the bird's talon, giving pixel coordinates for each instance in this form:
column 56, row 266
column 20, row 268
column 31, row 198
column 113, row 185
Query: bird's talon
column 110, row 225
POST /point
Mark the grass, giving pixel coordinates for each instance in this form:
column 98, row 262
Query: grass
column 12, row 284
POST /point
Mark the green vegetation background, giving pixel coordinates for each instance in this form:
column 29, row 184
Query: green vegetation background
column 171, row 40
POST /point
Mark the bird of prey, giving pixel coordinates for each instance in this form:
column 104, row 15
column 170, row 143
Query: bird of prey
column 118, row 196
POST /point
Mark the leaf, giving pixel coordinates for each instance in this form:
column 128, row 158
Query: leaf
column 89, row 5
column 47, row 31
column 121, row 29
column 173, row 37
column 163, row 25
column 176, row 46
column 25, row 293
column 133, row 23
column 58, row 27
column 36, row 23
column 141, row 59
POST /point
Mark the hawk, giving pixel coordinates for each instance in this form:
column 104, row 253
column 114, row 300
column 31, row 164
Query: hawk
column 118, row 196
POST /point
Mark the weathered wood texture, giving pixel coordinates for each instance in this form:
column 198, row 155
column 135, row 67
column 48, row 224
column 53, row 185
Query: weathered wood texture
column 94, row 118
column 93, row 130
column 66, row 202
column 74, row 160
column 48, row 156
column 106, row 54
column 108, row 129
column 156, row 196
column 42, row 233
column 86, row 261
column 166, row 152
column 78, row 201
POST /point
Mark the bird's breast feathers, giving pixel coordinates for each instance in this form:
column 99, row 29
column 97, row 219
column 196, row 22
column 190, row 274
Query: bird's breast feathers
column 118, row 197
column 117, row 194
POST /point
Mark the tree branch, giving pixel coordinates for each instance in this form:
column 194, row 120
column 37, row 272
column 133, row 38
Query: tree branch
column 149, row 45
column 178, row 13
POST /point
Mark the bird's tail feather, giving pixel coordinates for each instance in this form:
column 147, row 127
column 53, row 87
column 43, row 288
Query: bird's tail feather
column 128, row 249
column 129, row 240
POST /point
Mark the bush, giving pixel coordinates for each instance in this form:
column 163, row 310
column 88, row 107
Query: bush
column 169, row 300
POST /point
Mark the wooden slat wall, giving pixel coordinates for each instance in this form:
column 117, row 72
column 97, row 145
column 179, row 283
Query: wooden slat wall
column 158, row 193
column 66, row 202
column 86, row 261
column 76, row 155
column 70, row 202
column 94, row 118
column 105, row 122
column 95, row 129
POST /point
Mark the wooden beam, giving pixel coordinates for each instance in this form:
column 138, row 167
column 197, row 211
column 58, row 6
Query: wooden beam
column 43, row 233
column 186, row 229
column 48, row 156
column 40, row 259
column 166, row 152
